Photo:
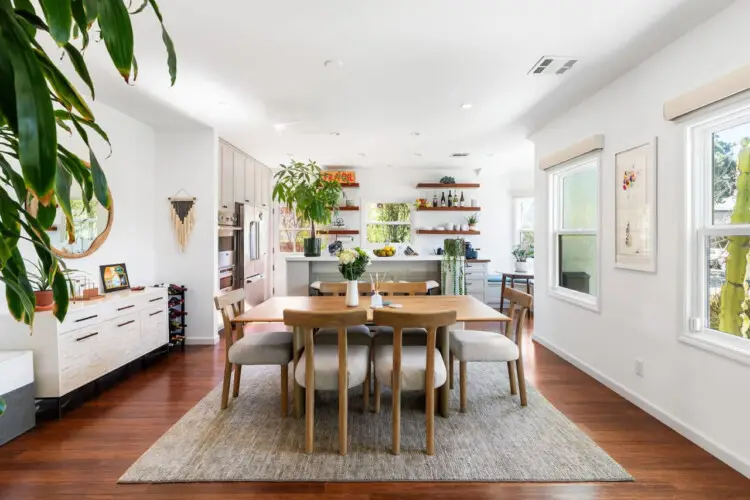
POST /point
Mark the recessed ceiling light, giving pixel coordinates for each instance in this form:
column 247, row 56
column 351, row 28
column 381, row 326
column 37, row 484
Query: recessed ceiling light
column 417, row 154
column 467, row 105
column 415, row 134
column 490, row 154
column 290, row 155
column 335, row 133
column 362, row 155
column 333, row 63
column 279, row 126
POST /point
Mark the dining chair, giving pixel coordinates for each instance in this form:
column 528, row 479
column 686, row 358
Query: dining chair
column 411, row 368
column 357, row 334
column 474, row 345
column 271, row 348
column 330, row 367
column 403, row 288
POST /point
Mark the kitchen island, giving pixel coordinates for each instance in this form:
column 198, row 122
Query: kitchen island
column 301, row 272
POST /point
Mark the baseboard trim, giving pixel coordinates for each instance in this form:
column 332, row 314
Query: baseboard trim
column 687, row 431
column 202, row 340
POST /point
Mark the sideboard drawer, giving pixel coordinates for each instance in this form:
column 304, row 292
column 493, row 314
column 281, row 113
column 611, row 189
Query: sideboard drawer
column 154, row 329
column 81, row 359
column 83, row 317
column 125, row 333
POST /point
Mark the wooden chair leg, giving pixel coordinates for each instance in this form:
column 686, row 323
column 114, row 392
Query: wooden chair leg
column 284, row 390
column 309, row 401
column 237, row 376
column 366, row 393
column 521, row 381
column 225, row 387
column 430, row 396
column 450, row 369
column 396, row 386
column 462, row 375
column 512, row 378
column 377, row 395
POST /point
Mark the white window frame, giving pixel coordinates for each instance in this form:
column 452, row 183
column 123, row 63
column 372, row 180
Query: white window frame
column 277, row 216
column 366, row 220
column 557, row 175
column 699, row 226
column 517, row 199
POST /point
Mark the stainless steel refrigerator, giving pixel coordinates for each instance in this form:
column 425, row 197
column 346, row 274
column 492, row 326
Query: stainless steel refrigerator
column 253, row 252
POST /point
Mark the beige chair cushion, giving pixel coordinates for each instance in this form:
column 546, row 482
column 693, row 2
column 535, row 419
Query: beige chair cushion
column 411, row 336
column 327, row 366
column 355, row 335
column 473, row 345
column 413, row 367
column 274, row 348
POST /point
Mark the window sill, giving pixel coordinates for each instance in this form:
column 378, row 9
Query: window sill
column 579, row 299
column 717, row 344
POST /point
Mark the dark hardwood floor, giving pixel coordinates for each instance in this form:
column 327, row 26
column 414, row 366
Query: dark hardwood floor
column 83, row 455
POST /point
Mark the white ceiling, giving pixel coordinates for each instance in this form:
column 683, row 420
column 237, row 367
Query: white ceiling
column 408, row 65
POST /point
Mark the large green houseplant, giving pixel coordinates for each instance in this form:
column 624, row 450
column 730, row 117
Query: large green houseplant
column 302, row 188
column 36, row 102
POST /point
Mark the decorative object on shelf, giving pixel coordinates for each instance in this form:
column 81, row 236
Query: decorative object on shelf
column 470, row 252
column 474, row 202
column 447, row 180
column 303, row 188
column 421, row 203
column 635, row 208
column 465, row 227
column 83, row 287
column 41, row 281
column 114, row 277
column 472, row 221
column 410, row 251
column 340, row 176
column 376, row 300
column 139, row 288
column 352, row 265
column 338, row 221
column 452, row 269
column 450, row 226
column 522, row 253
column 183, row 220
column 386, row 251
column 335, row 247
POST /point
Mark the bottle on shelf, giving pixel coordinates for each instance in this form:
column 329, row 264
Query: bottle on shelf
column 434, row 200
column 455, row 199
column 462, row 203
column 442, row 199
column 450, row 199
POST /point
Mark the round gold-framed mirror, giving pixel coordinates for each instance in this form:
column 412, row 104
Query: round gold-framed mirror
column 91, row 228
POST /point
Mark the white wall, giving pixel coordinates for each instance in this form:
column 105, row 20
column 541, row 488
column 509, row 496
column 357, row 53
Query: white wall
column 130, row 172
column 702, row 395
column 188, row 161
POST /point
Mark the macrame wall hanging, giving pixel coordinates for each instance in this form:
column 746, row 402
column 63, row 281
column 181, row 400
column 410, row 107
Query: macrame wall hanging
column 183, row 219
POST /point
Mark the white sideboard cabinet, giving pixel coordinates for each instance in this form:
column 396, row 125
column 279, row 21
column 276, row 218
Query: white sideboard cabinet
column 96, row 338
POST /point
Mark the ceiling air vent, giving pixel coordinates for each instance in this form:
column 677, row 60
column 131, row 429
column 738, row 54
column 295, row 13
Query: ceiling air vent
column 459, row 155
column 552, row 65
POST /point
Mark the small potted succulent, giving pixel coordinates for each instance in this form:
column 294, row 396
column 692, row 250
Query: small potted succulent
column 473, row 220
column 522, row 253
column 41, row 282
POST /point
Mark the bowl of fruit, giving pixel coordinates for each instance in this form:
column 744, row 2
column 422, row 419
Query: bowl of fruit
column 386, row 251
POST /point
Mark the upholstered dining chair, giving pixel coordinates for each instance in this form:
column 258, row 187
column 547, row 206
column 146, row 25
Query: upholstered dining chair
column 330, row 367
column 357, row 334
column 474, row 345
column 411, row 368
column 272, row 348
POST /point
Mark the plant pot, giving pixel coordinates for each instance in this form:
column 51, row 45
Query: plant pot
column 44, row 300
column 472, row 227
column 352, row 293
column 311, row 247
column 522, row 267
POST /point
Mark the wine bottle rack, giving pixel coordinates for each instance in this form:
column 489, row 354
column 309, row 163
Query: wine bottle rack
column 177, row 316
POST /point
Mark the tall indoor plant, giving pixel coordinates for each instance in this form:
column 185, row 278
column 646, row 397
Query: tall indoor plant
column 37, row 101
column 302, row 188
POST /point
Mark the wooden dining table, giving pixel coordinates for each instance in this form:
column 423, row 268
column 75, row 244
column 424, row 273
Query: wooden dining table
column 468, row 310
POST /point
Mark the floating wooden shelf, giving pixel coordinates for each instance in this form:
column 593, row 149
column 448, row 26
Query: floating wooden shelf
column 350, row 185
column 346, row 209
column 449, row 209
column 437, row 185
column 468, row 233
column 339, row 231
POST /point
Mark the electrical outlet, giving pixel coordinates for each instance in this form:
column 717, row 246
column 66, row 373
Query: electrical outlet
column 639, row 367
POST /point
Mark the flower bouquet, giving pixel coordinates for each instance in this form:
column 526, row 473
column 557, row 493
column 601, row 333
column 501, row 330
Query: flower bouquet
column 352, row 265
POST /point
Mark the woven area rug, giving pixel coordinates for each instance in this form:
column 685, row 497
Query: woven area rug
column 496, row 440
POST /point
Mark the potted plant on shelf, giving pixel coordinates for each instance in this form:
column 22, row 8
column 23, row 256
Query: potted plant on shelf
column 352, row 265
column 41, row 282
column 473, row 220
column 522, row 253
column 302, row 188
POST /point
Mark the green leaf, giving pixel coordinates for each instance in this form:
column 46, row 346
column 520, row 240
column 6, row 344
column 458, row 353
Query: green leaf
column 79, row 16
column 117, row 32
column 15, row 179
column 3, row 406
column 91, row 7
column 37, row 135
column 140, row 8
column 100, row 183
column 18, row 291
column 80, row 66
column 27, row 6
column 7, row 90
column 171, row 54
column 66, row 115
column 64, row 90
column 62, row 192
column 60, row 293
column 59, row 17
column 46, row 214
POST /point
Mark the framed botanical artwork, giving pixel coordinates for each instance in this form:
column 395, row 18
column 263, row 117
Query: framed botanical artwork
column 114, row 277
column 635, row 208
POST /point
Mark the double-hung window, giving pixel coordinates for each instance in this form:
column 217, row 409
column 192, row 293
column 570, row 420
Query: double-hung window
column 719, row 232
column 523, row 221
column 292, row 232
column 574, row 244
column 388, row 222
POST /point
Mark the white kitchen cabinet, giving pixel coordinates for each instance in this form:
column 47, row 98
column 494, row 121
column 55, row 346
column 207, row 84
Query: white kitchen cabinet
column 226, row 198
column 266, row 188
column 238, row 183
column 259, row 168
column 249, row 180
column 476, row 280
